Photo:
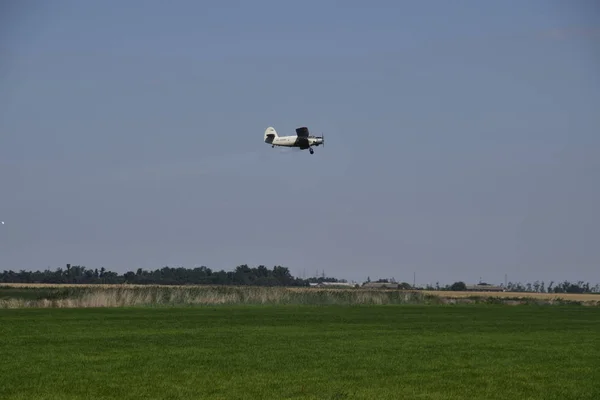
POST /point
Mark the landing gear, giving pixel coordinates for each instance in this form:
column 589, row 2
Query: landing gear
column 311, row 150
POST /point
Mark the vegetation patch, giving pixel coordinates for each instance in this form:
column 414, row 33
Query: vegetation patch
column 86, row 296
column 126, row 296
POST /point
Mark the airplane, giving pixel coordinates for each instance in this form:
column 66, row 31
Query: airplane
column 302, row 139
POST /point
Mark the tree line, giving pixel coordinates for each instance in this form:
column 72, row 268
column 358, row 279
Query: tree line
column 244, row 275
column 241, row 275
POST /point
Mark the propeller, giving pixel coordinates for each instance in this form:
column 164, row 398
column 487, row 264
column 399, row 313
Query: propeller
column 322, row 139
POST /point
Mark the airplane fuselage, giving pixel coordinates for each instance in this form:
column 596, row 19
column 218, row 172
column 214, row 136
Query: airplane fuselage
column 294, row 141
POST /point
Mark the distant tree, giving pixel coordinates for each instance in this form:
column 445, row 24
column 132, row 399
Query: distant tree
column 458, row 286
column 129, row 277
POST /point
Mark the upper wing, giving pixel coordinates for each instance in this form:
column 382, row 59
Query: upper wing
column 302, row 132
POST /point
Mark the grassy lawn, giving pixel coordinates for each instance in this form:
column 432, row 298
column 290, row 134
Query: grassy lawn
column 302, row 351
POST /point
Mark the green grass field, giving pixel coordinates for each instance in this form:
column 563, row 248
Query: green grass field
column 301, row 351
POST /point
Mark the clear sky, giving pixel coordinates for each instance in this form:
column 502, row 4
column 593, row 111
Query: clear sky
column 462, row 137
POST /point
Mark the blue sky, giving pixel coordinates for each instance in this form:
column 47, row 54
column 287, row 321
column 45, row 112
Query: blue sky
column 461, row 137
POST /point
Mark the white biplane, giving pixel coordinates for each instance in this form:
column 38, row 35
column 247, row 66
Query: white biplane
column 302, row 139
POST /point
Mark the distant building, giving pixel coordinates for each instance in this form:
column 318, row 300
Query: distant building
column 484, row 287
column 332, row 284
column 381, row 285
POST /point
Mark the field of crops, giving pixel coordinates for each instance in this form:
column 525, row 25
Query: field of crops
column 579, row 297
column 301, row 352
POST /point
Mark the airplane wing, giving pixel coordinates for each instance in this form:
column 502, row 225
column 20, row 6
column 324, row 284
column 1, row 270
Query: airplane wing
column 302, row 132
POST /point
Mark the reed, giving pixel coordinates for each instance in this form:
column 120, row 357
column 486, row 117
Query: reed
column 87, row 296
column 132, row 296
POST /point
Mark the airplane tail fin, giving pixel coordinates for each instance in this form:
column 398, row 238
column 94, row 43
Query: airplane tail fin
column 270, row 134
